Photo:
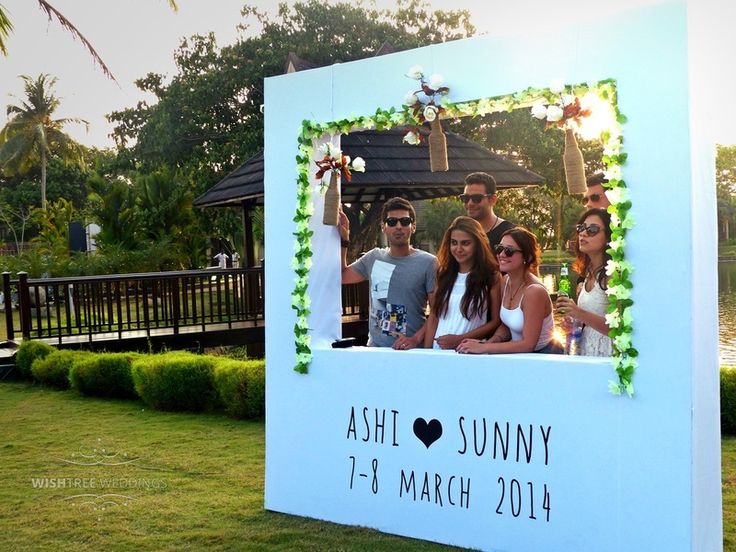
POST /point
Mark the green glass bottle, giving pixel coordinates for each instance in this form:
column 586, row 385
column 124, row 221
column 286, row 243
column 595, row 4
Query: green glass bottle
column 563, row 286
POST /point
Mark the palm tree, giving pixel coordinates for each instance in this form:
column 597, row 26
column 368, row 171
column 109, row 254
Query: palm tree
column 31, row 136
column 6, row 27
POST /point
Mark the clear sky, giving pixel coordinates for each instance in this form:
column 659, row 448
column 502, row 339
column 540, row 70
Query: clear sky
column 136, row 37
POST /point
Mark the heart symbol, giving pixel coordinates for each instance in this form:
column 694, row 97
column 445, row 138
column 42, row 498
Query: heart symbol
column 427, row 433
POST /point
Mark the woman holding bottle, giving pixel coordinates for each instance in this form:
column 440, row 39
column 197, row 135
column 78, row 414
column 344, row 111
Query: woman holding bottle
column 467, row 293
column 526, row 308
column 594, row 234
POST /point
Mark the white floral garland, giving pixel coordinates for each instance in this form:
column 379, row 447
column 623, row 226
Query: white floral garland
column 619, row 317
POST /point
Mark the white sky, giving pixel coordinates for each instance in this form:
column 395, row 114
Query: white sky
column 136, row 37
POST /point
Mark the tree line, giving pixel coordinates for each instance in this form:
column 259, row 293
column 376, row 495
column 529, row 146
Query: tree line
column 206, row 120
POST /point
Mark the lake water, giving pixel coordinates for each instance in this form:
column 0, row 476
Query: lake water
column 727, row 312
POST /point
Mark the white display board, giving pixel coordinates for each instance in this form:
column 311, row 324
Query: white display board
column 534, row 452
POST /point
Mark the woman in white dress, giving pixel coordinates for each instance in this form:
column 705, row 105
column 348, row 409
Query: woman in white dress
column 594, row 234
column 467, row 294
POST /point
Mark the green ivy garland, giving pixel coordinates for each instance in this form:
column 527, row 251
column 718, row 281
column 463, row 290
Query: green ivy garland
column 619, row 317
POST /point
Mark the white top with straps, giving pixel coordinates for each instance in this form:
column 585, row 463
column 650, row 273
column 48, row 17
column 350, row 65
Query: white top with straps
column 592, row 342
column 453, row 321
column 514, row 320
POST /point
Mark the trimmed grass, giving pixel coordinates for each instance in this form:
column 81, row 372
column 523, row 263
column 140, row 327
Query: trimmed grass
column 728, row 470
column 181, row 481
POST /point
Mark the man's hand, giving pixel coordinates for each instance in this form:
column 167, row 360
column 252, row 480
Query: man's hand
column 404, row 343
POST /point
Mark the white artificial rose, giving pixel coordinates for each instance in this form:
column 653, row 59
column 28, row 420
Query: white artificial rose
column 415, row 72
column 410, row 99
column 568, row 99
column 430, row 113
column 613, row 173
column 359, row 164
column 436, row 81
column 411, row 138
column 347, row 159
column 554, row 113
column 557, row 86
column 539, row 111
column 613, row 319
column 324, row 149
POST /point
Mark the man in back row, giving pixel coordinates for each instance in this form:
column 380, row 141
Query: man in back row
column 595, row 193
column 401, row 278
column 479, row 198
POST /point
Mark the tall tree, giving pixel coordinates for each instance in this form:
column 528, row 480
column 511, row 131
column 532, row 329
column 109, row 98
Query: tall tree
column 32, row 136
column 208, row 118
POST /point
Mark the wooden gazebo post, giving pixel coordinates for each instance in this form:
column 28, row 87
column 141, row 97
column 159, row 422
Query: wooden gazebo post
column 250, row 252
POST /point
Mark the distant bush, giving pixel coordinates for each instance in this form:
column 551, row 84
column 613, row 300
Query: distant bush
column 53, row 369
column 176, row 381
column 728, row 400
column 27, row 353
column 241, row 386
column 105, row 375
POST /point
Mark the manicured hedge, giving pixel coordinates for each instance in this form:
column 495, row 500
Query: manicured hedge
column 187, row 381
column 176, row 381
column 53, row 369
column 27, row 353
column 105, row 375
column 728, row 399
column 241, row 385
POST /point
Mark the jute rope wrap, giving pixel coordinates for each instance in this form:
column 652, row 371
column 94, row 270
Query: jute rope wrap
column 574, row 165
column 331, row 215
column 437, row 147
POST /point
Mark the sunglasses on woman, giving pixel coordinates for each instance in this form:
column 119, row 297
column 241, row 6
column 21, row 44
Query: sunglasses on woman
column 475, row 198
column 505, row 249
column 393, row 221
column 590, row 229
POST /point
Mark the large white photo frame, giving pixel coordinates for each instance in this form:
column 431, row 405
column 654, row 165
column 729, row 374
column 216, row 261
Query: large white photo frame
column 612, row 473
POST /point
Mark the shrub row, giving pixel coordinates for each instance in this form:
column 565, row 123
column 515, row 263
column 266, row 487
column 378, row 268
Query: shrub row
column 169, row 381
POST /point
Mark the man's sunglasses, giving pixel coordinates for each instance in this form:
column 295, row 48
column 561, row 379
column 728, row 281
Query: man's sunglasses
column 393, row 221
column 475, row 198
column 505, row 249
column 595, row 198
column 590, row 229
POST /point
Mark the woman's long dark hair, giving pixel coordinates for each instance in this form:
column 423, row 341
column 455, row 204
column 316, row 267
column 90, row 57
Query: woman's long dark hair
column 483, row 272
column 582, row 262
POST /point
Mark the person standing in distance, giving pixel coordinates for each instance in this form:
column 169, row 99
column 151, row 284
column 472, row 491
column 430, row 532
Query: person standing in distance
column 595, row 194
column 479, row 198
column 401, row 278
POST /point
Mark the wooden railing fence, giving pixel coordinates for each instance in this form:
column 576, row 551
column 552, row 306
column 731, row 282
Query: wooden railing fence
column 139, row 304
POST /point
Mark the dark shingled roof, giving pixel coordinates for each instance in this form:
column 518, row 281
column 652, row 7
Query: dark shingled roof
column 394, row 168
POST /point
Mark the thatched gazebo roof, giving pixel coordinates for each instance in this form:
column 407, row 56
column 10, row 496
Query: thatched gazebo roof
column 394, row 168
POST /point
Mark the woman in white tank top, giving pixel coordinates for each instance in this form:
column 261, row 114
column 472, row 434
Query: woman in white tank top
column 526, row 309
column 594, row 234
column 467, row 292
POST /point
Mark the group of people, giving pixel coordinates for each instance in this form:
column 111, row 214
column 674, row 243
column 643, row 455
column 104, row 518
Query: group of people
column 483, row 287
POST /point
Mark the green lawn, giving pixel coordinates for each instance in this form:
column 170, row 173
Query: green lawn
column 182, row 482
column 192, row 481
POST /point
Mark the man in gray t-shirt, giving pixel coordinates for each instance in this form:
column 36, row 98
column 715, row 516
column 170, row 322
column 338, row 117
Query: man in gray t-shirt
column 401, row 278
